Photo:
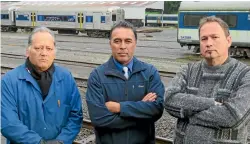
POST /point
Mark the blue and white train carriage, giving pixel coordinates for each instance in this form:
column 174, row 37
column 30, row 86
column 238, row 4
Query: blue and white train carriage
column 236, row 14
column 159, row 19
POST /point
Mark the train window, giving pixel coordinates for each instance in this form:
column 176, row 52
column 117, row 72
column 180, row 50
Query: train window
column 40, row 18
column 231, row 20
column 102, row 19
column 64, row 18
column 170, row 18
column 56, row 18
column 22, row 17
column 80, row 16
column 89, row 19
column 192, row 20
column 151, row 18
column 113, row 17
column 4, row 16
column 34, row 16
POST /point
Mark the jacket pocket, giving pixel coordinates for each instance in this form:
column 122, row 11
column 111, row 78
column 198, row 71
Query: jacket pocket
column 62, row 114
column 139, row 90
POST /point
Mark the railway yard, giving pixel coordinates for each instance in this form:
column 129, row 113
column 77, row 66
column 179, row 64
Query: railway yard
column 81, row 54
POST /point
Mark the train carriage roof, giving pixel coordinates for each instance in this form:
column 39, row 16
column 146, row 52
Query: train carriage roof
column 65, row 8
column 215, row 6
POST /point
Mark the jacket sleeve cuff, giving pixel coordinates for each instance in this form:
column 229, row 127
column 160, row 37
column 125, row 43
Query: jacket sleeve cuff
column 122, row 108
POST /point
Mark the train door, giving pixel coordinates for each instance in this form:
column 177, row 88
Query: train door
column 12, row 17
column 33, row 19
column 118, row 15
column 96, row 20
column 80, row 20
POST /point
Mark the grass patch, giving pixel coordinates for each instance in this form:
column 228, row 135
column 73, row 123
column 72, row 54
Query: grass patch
column 189, row 58
column 196, row 57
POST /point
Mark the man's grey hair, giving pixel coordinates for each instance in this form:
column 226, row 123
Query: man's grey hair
column 123, row 24
column 222, row 23
column 40, row 29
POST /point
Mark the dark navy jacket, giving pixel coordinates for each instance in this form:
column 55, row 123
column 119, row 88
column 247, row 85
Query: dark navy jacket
column 135, row 122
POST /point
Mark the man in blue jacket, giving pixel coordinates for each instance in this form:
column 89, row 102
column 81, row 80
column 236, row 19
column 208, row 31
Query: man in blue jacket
column 40, row 100
column 124, row 95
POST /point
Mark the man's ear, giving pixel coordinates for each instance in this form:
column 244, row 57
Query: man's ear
column 27, row 52
column 229, row 41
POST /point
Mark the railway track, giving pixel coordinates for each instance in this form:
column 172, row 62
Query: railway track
column 82, row 35
column 82, row 41
column 77, row 63
column 81, row 82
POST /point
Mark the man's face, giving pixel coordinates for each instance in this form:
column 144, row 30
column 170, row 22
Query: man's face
column 123, row 44
column 42, row 51
column 214, row 44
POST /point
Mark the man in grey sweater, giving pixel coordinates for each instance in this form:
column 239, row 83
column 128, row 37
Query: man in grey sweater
column 211, row 98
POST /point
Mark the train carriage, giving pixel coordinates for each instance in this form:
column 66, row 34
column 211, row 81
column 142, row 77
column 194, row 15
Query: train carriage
column 235, row 14
column 8, row 19
column 159, row 19
column 96, row 21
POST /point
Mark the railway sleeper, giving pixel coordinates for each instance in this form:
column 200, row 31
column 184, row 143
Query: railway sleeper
column 98, row 34
column 8, row 29
column 240, row 52
column 68, row 31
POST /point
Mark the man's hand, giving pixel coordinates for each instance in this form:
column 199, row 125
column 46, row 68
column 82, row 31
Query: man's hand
column 113, row 107
column 217, row 103
column 150, row 97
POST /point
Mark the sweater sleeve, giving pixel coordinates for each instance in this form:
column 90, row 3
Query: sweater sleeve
column 180, row 104
column 234, row 111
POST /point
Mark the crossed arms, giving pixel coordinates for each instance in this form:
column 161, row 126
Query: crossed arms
column 119, row 115
column 206, row 111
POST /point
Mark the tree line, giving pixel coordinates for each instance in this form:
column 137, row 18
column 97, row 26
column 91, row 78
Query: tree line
column 171, row 7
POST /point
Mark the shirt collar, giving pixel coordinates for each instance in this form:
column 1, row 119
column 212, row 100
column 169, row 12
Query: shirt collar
column 119, row 66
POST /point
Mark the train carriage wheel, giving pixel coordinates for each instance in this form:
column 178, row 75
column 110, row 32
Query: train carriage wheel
column 14, row 29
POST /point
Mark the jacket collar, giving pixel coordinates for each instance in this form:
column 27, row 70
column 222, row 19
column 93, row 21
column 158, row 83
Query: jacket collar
column 111, row 69
column 24, row 74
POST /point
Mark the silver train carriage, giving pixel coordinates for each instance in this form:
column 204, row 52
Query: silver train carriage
column 97, row 22
column 8, row 19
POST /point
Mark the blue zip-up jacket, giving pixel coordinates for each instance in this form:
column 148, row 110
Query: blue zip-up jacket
column 26, row 118
column 135, row 122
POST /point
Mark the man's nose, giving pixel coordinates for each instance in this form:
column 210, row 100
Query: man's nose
column 123, row 45
column 43, row 51
column 209, row 42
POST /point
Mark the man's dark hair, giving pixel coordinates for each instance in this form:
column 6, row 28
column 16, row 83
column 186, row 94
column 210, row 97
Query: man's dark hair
column 123, row 24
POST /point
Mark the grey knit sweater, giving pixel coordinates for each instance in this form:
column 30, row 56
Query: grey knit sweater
column 191, row 97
